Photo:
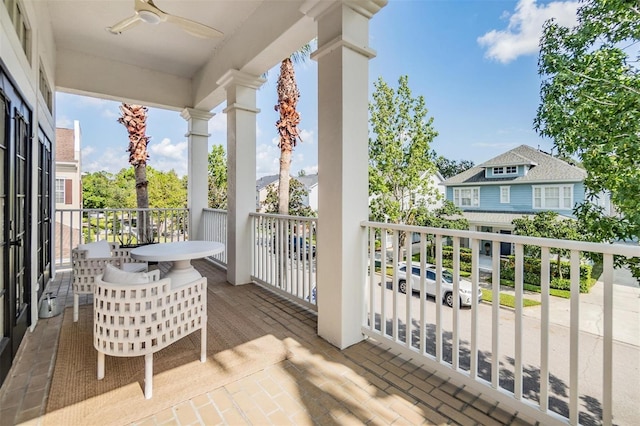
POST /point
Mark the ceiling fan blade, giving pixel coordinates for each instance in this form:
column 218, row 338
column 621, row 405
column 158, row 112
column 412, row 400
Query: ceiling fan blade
column 194, row 28
column 125, row 24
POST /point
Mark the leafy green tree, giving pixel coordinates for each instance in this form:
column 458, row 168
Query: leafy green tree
column 97, row 190
column 448, row 168
column 217, row 178
column 297, row 194
column 399, row 155
column 166, row 189
column 447, row 216
column 547, row 224
column 590, row 107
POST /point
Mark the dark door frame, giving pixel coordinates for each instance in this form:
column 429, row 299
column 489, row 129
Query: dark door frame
column 15, row 209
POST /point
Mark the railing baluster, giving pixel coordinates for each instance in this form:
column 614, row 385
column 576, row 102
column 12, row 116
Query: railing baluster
column 409, row 292
column 519, row 284
column 475, row 279
column 545, row 274
column 574, row 339
column 607, row 367
column 383, row 282
column 438, row 304
column 455, row 340
column 495, row 315
column 372, row 278
column 423, row 294
column 394, row 295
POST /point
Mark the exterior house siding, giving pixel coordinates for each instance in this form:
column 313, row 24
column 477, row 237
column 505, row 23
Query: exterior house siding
column 497, row 199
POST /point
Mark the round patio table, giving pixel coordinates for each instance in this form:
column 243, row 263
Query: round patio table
column 179, row 253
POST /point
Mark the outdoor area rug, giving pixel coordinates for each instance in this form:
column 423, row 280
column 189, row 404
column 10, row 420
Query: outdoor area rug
column 236, row 348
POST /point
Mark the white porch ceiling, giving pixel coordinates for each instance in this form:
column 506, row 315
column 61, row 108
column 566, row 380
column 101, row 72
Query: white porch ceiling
column 161, row 65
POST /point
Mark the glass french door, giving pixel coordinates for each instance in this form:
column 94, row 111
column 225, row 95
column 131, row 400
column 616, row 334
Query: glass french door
column 15, row 290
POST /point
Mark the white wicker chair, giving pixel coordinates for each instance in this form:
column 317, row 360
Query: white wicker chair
column 86, row 266
column 141, row 319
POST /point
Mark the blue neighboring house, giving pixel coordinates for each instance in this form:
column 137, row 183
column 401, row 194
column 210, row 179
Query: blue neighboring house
column 519, row 182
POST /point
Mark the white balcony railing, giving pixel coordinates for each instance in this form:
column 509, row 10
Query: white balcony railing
column 570, row 360
column 78, row 226
column 553, row 362
column 214, row 222
column 284, row 257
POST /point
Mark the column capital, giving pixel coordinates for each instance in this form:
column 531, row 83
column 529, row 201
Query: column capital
column 240, row 78
column 343, row 42
column 367, row 8
column 196, row 114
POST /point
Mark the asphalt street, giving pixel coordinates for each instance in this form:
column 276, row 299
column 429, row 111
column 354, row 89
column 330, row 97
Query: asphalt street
column 626, row 351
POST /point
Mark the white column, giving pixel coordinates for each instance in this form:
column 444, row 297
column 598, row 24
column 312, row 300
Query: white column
column 343, row 79
column 241, row 170
column 197, row 194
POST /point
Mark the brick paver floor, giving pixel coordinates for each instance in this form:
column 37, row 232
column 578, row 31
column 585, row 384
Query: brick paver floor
column 366, row 383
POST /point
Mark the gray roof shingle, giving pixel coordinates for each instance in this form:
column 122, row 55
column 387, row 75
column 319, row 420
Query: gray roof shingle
column 544, row 168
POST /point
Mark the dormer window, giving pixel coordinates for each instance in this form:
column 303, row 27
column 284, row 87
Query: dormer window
column 509, row 170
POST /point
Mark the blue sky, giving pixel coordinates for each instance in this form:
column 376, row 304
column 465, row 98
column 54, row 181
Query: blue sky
column 474, row 61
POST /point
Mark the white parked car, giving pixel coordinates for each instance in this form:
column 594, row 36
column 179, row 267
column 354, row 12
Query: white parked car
column 465, row 288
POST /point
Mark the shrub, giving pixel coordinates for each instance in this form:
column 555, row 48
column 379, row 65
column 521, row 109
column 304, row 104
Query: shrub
column 532, row 268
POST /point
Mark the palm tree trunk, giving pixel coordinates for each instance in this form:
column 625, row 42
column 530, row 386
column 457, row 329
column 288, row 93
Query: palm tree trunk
column 283, row 183
column 287, row 125
column 134, row 118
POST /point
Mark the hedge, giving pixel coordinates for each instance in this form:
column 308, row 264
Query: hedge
column 531, row 269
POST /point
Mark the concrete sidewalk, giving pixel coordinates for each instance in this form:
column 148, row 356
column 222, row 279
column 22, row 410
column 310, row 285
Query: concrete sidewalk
column 626, row 311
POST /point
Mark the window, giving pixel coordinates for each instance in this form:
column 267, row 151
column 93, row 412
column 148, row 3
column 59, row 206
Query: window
column 505, row 194
column 60, row 191
column 553, row 197
column 466, row 197
column 20, row 24
column 509, row 170
column 45, row 90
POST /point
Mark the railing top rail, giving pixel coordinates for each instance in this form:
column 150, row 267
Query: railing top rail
column 616, row 249
column 207, row 209
column 124, row 209
column 284, row 216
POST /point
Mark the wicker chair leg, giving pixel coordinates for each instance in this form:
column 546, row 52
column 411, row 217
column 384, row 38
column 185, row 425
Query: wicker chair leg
column 203, row 342
column 100, row 365
column 76, row 303
column 148, row 375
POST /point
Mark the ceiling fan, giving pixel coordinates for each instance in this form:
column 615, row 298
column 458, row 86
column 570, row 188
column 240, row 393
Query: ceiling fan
column 146, row 11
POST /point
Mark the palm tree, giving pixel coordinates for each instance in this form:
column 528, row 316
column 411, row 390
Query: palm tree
column 134, row 119
column 287, row 125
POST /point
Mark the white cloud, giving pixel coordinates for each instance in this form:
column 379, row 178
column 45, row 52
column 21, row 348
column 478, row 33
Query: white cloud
column 111, row 114
column 94, row 102
column 166, row 156
column 87, row 150
column 267, row 159
column 311, row 170
column 218, row 123
column 522, row 35
column 63, row 122
column 165, row 148
column 108, row 160
column 307, row 136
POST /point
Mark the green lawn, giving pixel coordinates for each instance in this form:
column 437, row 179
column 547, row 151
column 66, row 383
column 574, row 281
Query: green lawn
column 507, row 299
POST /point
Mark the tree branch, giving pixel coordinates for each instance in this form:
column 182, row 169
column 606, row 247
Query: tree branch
column 602, row 80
